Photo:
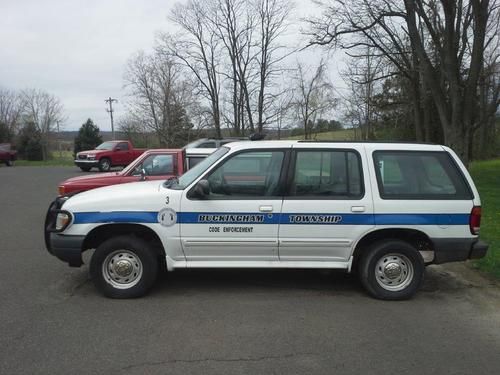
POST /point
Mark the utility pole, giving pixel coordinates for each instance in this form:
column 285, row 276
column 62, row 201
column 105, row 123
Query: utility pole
column 59, row 139
column 110, row 101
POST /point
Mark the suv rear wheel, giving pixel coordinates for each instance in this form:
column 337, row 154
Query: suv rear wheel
column 391, row 270
column 124, row 267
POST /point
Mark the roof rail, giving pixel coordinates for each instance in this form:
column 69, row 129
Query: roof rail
column 350, row 141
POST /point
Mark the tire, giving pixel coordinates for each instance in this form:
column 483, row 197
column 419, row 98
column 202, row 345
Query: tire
column 9, row 163
column 104, row 165
column 86, row 169
column 139, row 267
column 391, row 270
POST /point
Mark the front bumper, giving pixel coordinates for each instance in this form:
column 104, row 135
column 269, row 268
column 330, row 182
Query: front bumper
column 458, row 249
column 66, row 248
column 86, row 163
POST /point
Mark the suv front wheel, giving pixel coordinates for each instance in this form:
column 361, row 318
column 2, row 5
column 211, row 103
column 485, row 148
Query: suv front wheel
column 124, row 267
column 391, row 270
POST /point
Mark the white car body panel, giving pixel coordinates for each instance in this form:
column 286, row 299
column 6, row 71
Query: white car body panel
column 190, row 242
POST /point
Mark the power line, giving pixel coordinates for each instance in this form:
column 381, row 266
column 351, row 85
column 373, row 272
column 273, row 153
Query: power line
column 110, row 101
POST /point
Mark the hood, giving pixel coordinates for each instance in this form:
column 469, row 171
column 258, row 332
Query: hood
column 90, row 152
column 132, row 196
column 91, row 177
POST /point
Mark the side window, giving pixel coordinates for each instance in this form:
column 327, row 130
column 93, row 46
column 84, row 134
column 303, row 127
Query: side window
column 123, row 146
column 330, row 174
column 419, row 175
column 157, row 165
column 207, row 145
column 249, row 174
column 193, row 160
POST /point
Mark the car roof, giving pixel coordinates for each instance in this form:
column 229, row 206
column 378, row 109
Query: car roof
column 161, row 150
column 333, row 144
column 199, row 151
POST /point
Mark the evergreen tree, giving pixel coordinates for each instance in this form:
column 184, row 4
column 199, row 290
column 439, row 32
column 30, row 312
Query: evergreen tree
column 29, row 144
column 88, row 137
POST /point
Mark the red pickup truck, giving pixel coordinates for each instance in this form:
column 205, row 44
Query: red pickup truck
column 107, row 155
column 158, row 164
column 7, row 155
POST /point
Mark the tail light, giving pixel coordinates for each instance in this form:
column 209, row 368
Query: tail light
column 475, row 219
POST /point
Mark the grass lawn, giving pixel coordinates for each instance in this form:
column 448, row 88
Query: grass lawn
column 65, row 158
column 486, row 175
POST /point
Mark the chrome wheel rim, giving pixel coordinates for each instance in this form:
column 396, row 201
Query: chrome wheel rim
column 105, row 165
column 122, row 269
column 394, row 272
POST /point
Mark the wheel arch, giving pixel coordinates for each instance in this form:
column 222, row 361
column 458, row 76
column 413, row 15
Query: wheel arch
column 415, row 237
column 104, row 232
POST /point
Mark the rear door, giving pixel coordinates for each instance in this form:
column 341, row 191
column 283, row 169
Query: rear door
column 328, row 205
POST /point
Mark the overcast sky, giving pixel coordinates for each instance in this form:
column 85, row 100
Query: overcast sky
column 77, row 49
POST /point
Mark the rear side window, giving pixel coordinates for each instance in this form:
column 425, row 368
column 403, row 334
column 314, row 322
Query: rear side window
column 123, row 146
column 419, row 175
column 327, row 174
column 207, row 145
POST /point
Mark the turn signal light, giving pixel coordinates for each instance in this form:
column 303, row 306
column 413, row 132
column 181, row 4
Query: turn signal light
column 60, row 189
column 475, row 219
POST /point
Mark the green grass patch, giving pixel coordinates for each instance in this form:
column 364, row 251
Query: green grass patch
column 486, row 175
column 64, row 158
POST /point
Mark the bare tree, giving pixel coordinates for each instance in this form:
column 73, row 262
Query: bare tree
column 45, row 111
column 362, row 75
column 313, row 96
column 198, row 47
column 441, row 43
column 272, row 19
column 159, row 96
column 11, row 107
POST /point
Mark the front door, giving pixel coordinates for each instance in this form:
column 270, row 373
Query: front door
column 327, row 207
column 239, row 219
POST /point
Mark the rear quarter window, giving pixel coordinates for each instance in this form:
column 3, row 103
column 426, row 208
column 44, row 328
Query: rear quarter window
column 419, row 175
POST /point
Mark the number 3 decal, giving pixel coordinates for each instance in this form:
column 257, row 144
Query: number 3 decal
column 167, row 200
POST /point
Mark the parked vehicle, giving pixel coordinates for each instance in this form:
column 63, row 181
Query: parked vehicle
column 383, row 209
column 158, row 164
column 7, row 154
column 213, row 142
column 107, row 155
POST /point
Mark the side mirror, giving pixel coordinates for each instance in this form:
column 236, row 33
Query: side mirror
column 143, row 175
column 201, row 189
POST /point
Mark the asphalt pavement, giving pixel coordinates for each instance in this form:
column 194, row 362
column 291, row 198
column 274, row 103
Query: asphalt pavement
column 53, row 321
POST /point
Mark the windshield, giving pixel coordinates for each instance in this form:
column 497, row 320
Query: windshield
column 105, row 146
column 187, row 178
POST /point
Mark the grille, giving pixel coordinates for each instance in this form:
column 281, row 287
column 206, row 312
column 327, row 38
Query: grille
column 82, row 156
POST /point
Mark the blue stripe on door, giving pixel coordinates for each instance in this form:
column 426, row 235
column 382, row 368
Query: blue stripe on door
column 265, row 218
column 115, row 217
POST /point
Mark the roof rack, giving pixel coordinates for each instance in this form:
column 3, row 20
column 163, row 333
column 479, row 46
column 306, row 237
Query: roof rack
column 349, row 141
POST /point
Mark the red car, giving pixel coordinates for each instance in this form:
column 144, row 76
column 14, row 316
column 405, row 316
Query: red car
column 107, row 155
column 7, row 155
column 157, row 164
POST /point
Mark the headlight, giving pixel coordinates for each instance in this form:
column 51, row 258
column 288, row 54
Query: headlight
column 62, row 221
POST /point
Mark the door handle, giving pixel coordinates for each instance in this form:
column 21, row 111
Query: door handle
column 358, row 208
column 266, row 208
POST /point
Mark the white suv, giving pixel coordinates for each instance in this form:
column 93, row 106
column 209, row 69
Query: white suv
column 383, row 209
